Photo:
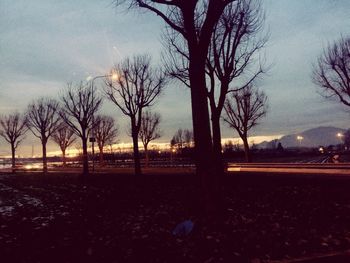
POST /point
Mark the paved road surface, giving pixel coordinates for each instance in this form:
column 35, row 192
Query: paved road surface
column 296, row 168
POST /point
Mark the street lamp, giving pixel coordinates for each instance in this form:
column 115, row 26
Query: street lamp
column 340, row 135
column 92, row 139
column 300, row 138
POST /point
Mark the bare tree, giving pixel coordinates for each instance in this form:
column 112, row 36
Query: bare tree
column 178, row 139
column 136, row 88
column 188, row 137
column 105, row 132
column 80, row 103
column 243, row 110
column 13, row 128
column 332, row 71
column 149, row 130
column 232, row 62
column 194, row 22
column 64, row 137
column 182, row 138
column 42, row 120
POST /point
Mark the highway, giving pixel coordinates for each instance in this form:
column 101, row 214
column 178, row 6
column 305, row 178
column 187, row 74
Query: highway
column 295, row 168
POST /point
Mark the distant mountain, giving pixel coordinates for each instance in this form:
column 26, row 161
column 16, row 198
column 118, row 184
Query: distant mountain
column 321, row 136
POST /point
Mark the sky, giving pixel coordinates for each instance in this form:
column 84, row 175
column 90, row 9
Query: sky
column 44, row 44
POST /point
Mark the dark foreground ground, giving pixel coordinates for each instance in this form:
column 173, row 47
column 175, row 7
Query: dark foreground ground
column 117, row 218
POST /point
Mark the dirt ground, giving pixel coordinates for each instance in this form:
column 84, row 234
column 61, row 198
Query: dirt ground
column 120, row 218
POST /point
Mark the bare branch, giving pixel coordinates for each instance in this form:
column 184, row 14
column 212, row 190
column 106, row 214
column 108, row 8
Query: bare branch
column 243, row 109
column 332, row 71
column 105, row 130
column 149, row 129
column 80, row 103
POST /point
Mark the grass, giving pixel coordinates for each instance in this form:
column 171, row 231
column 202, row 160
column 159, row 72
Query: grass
column 119, row 218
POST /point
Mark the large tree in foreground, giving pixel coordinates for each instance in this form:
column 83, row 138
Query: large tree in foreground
column 12, row 129
column 80, row 103
column 332, row 71
column 136, row 88
column 149, row 130
column 243, row 109
column 105, row 133
column 42, row 120
column 63, row 137
column 232, row 63
column 194, row 21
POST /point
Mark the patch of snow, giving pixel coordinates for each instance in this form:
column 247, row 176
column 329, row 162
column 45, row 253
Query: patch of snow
column 7, row 210
column 31, row 200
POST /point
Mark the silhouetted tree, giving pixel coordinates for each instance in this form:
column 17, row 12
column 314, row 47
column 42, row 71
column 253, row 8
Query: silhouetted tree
column 188, row 137
column 332, row 71
column 64, row 137
column 232, row 59
column 13, row 127
column 243, row 109
column 42, row 120
column 80, row 103
column 182, row 138
column 149, row 130
column 194, row 21
column 228, row 146
column 137, row 87
column 280, row 147
column 178, row 139
column 105, row 133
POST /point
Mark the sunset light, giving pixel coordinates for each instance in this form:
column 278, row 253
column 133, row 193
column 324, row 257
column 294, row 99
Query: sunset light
column 175, row 131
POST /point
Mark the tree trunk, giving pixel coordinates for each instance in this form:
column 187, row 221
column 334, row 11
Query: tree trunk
column 13, row 152
column 135, row 140
column 64, row 157
column 146, row 155
column 85, row 157
column 202, row 135
column 101, row 155
column 217, row 147
column 246, row 150
column 44, row 141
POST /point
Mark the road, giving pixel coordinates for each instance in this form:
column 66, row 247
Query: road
column 295, row 168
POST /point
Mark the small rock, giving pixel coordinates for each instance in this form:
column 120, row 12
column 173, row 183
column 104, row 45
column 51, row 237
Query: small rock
column 184, row 228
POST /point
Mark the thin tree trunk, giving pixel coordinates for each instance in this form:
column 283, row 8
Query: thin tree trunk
column 13, row 151
column 44, row 156
column 64, row 157
column 101, row 155
column 146, row 155
column 85, row 157
column 246, row 150
column 217, row 147
column 136, row 153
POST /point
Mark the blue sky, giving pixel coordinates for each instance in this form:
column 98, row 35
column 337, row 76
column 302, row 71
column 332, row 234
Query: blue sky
column 46, row 43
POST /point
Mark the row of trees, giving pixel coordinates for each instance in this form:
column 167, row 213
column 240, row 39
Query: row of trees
column 62, row 122
column 73, row 116
column 213, row 47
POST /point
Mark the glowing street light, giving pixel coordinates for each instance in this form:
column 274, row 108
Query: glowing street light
column 340, row 136
column 300, row 138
